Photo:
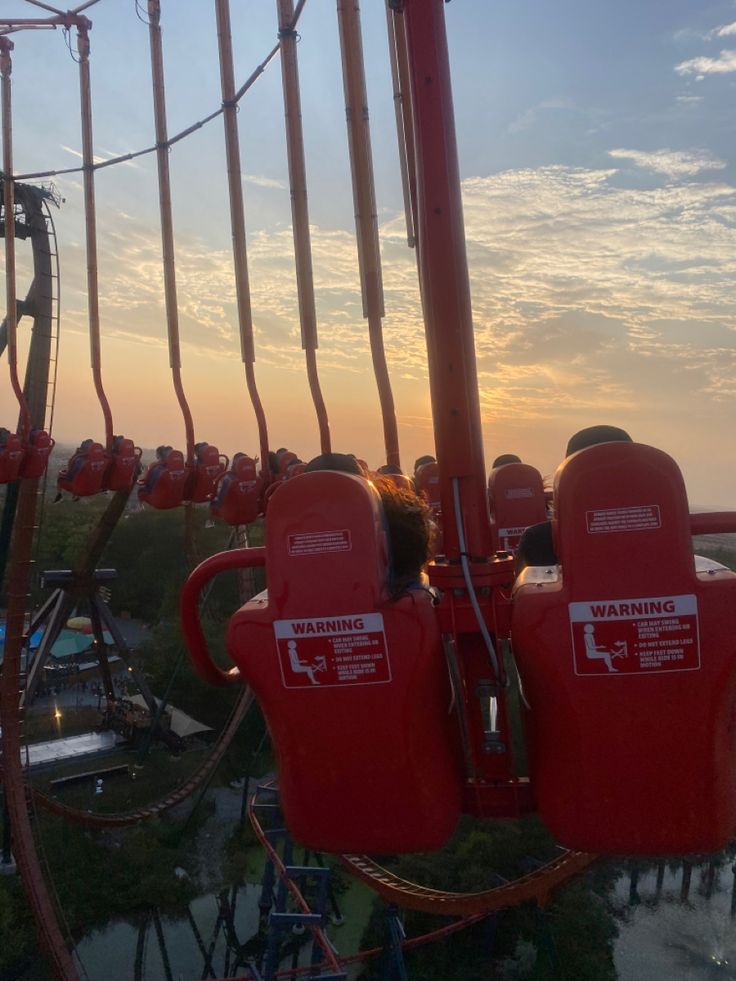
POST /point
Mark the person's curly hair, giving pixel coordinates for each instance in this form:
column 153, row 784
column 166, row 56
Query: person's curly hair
column 410, row 532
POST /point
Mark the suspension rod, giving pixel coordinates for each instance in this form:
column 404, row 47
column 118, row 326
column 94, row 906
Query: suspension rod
column 299, row 211
column 90, row 216
column 366, row 217
column 167, row 228
column 237, row 219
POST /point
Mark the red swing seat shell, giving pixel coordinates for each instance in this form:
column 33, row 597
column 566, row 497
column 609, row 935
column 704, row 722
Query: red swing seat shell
column 238, row 493
column 37, row 453
column 11, row 458
column 623, row 659
column 164, row 482
column 354, row 687
column 84, row 474
column 208, row 467
column 124, row 465
column 516, row 500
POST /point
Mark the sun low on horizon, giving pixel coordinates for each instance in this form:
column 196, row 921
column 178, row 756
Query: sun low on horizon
column 597, row 161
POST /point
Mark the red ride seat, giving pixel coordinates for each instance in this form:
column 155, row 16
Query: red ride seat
column 83, row 475
column 516, row 500
column 164, row 482
column 37, row 453
column 400, row 480
column 628, row 664
column 354, row 687
column 238, row 494
column 11, row 457
column 124, row 464
column 208, row 467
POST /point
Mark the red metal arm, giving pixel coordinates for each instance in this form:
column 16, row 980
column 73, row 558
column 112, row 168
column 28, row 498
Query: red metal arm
column 240, row 558
column 713, row 523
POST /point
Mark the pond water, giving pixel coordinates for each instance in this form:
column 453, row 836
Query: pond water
column 676, row 924
column 674, row 930
column 114, row 952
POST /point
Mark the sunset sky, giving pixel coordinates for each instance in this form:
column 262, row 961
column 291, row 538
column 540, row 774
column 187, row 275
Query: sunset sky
column 597, row 152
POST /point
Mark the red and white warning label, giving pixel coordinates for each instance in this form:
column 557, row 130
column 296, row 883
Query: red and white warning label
column 642, row 518
column 635, row 636
column 330, row 651
column 313, row 543
column 511, row 532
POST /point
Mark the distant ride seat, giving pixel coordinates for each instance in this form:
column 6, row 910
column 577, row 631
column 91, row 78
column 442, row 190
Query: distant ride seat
column 209, row 465
column 627, row 657
column 37, row 453
column 11, row 456
column 400, row 480
column 427, row 484
column 83, row 475
column 515, row 500
column 164, row 482
column 354, row 687
column 238, row 492
column 286, row 460
column 124, row 466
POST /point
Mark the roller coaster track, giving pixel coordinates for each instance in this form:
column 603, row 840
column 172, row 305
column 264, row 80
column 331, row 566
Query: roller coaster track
column 126, row 818
column 537, row 886
column 471, row 907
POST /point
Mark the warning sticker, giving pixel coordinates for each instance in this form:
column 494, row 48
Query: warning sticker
column 511, row 532
column 330, row 651
column 518, row 493
column 640, row 518
column 635, row 636
column 312, row 543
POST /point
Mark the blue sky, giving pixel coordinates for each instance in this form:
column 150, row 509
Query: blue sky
column 597, row 154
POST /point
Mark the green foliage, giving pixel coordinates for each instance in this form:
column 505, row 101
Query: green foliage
column 98, row 877
column 18, row 942
column 572, row 939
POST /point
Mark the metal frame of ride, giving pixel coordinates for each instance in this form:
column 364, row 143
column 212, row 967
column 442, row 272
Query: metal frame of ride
column 474, row 582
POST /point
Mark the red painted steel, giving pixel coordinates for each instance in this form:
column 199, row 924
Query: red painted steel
column 713, row 523
column 536, row 886
column 617, row 655
column 237, row 558
column 327, row 663
column 444, row 280
column 516, row 500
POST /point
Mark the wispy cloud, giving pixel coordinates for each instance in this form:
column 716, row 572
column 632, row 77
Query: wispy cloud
column 672, row 163
column 591, row 300
column 259, row 180
column 727, row 30
column 724, row 63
